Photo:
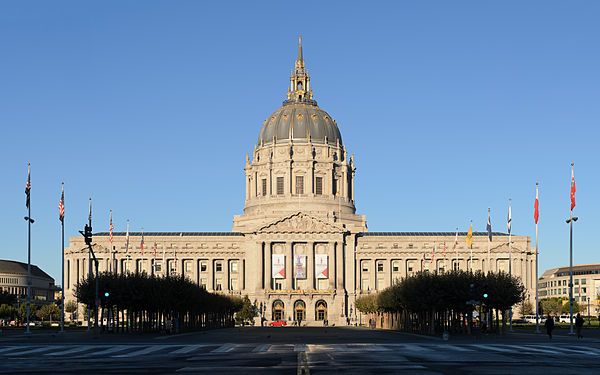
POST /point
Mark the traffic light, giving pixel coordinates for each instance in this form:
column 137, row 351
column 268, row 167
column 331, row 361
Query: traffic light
column 484, row 291
column 106, row 294
column 88, row 234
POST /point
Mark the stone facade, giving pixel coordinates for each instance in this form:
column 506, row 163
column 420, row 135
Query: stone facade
column 299, row 250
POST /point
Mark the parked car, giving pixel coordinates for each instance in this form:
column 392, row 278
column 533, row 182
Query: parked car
column 278, row 323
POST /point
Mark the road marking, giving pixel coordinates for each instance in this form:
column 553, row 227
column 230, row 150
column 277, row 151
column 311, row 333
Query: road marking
column 224, row 348
column 302, row 363
column 583, row 351
column 300, row 348
column 112, row 349
column 73, row 350
column 148, row 350
column 452, row 347
column 547, row 351
column 261, row 348
column 493, row 348
column 188, row 349
column 340, row 348
column 8, row 349
column 42, row 349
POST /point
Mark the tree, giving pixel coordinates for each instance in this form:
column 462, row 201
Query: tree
column 7, row 312
column 526, row 308
column 552, row 305
column 70, row 308
column 566, row 308
column 247, row 311
column 23, row 311
column 49, row 312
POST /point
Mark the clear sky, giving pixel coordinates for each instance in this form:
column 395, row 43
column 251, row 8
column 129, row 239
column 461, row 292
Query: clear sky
column 150, row 107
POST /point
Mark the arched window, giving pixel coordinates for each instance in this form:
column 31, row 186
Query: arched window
column 321, row 310
column 278, row 310
column 299, row 311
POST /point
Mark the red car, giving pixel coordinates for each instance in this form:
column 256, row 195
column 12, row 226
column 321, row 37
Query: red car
column 278, row 323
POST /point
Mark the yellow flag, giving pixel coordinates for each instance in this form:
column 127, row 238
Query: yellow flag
column 470, row 236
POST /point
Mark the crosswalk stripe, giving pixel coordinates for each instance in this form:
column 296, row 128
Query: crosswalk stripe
column 261, row 348
column 73, row 350
column 148, row 350
column 547, row 351
column 111, row 350
column 13, row 348
column 188, row 349
column 493, row 348
column 38, row 350
column 300, row 348
column 453, row 348
column 224, row 348
column 585, row 351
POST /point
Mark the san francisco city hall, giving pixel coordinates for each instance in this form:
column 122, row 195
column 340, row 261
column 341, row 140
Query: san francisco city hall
column 299, row 250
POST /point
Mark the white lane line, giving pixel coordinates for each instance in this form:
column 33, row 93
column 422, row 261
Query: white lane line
column 224, row 348
column 38, row 350
column 188, row 349
column 453, row 347
column 73, row 350
column 261, row 348
column 582, row 351
column 340, row 348
column 492, row 348
column 13, row 348
column 148, row 350
column 113, row 349
column 530, row 348
column 300, row 348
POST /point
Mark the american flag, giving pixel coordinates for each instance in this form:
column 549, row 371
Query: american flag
column 28, row 187
column 455, row 242
column 154, row 250
column 142, row 242
column 110, row 229
column 61, row 206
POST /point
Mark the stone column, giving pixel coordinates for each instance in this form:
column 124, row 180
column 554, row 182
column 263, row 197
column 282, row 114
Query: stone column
column 288, row 265
column 339, row 270
column 310, row 265
column 227, row 273
column 373, row 275
column 242, row 273
column 331, row 264
column 210, row 283
column 267, row 260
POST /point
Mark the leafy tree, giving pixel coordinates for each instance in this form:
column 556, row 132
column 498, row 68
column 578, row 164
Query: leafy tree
column 248, row 310
column 70, row 308
column 7, row 311
column 367, row 303
column 50, row 312
column 566, row 308
column 23, row 311
column 526, row 308
column 552, row 305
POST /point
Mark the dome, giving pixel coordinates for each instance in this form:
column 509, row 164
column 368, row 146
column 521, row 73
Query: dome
column 300, row 122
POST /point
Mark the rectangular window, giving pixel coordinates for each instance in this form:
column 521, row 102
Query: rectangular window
column 234, row 266
column 203, row 267
column 203, row 283
column 218, row 267
column 380, row 267
column 299, row 184
column 234, row 284
column 218, row 284
column 583, row 290
column 365, row 284
column 583, row 282
column 395, row 267
column 188, row 266
column 576, row 290
column 335, row 187
column 380, row 284
column 279, row 185
column 264, row 187
column 278, row 284
column 365, row 267
column 576, row 281
column 157, row 267
column 68, row 273
column 318, row 185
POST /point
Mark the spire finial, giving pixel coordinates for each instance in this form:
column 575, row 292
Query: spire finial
column 300, row 47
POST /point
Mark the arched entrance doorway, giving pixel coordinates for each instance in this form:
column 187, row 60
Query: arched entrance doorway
column 278, row 310
column 299, row 311
column 321, row 310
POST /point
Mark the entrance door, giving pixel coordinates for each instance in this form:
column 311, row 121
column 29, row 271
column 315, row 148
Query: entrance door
column 321, row 310
column 299, row 311
column 278, row 310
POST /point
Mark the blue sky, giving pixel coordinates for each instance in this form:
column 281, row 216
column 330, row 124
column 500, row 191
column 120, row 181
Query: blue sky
column 150, row 108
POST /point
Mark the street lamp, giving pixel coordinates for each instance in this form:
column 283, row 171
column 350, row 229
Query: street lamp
column 570, row 221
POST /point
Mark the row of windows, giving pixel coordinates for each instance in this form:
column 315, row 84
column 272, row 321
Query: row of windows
column 280, row 183
column 589, row 272
column 566, row 291
column 554, row 283
column 9, row 280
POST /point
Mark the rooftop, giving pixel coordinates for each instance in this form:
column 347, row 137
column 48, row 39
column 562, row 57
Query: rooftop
column 19, row 268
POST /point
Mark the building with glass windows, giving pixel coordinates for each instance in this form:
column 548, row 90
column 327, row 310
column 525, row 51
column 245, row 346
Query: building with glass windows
column 299, row 250
column 586, row 285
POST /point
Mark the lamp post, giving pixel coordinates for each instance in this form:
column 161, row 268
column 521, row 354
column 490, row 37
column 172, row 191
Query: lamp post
column 570, row 221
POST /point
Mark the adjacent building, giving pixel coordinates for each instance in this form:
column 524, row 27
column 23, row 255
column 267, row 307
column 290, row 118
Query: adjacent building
column 13, row 279
column 299, row 250
column 586, row 285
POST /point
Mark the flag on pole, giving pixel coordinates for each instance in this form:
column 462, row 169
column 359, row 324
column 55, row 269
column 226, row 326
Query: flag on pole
column 28, row 187
column 489, row 227
column 423, row 261
column 470, row 236
column 110, row 228
column 572, row 189
column 90, row 215
column 61, row 206
column 127, row 240
column 175, row 254
column 154, row 250
column 509, row 219
column 164, row 265
column 455, row 242
column 142, row 242
column 444, row 251
column 536, row 212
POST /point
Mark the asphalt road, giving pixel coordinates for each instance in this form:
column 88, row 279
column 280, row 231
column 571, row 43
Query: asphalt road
column 292, row 350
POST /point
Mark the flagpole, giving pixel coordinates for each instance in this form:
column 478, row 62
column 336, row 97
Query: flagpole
column 489, row 240
column 471, row 258
column 510, row 259
column 29, row 221
column 537, row 306
column 62, row 309
column 570, row 221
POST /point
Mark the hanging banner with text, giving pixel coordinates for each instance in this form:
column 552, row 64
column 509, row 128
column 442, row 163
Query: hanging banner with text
column 300, row 266
column 278, row 266
column 321, row 266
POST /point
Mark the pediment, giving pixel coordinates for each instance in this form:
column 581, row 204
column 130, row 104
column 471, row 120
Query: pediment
column 299, row 223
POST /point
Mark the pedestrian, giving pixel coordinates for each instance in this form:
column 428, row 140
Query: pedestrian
column 549, row 326
column 579, row 325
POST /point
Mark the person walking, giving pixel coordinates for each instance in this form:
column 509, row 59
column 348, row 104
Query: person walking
column 549, row 326
column 579, row 325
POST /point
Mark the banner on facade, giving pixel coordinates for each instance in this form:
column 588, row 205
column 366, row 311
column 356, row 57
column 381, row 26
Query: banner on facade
column 278, row 266
column 300, row 266
column 321, row 266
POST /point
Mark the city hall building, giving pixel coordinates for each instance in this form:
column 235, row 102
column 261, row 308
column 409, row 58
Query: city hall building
column 299, row 250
